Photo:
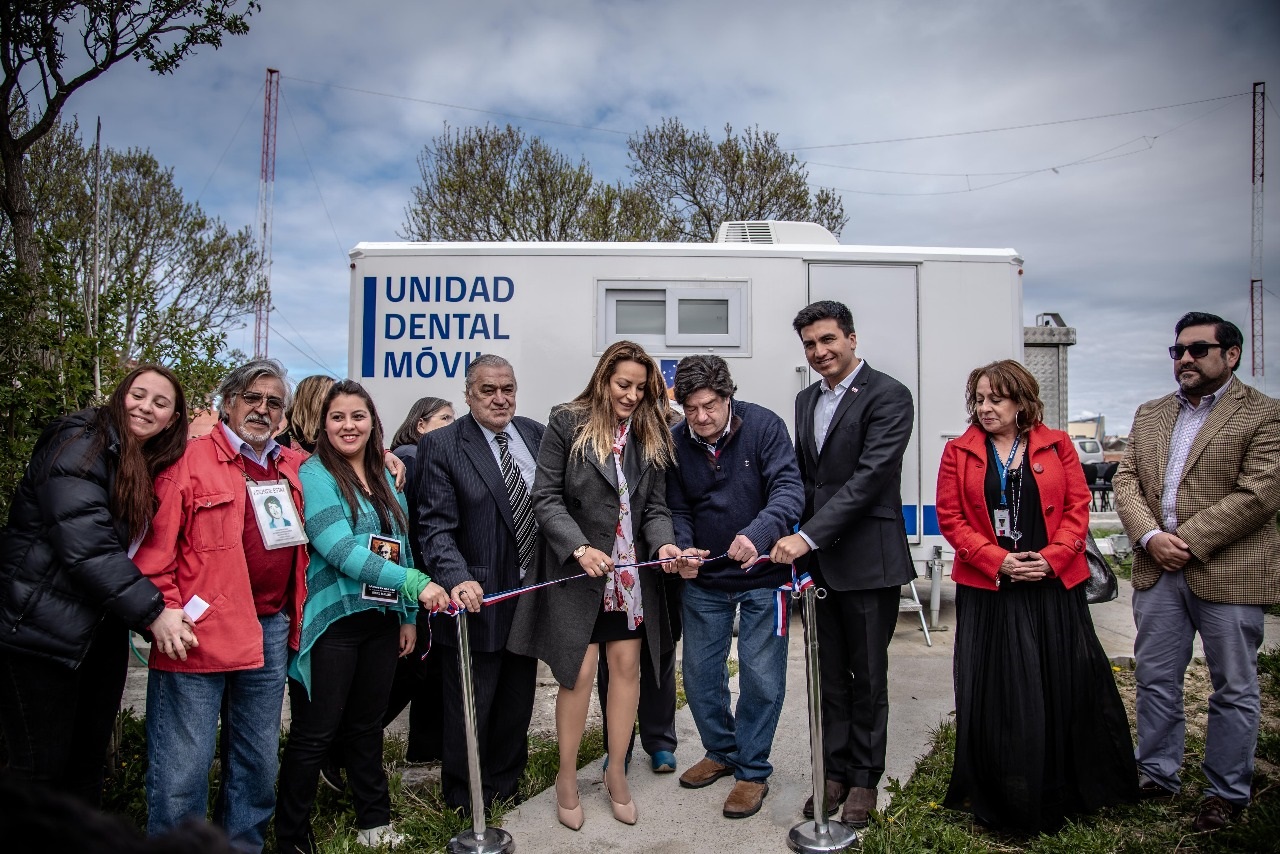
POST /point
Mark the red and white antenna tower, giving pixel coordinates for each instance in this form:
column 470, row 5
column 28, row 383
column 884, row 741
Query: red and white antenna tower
column 1255, row 253
column 266, row 203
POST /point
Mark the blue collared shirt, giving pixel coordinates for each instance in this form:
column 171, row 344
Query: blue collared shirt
column 828, row 400
column 1185, row 429
column 270, row 451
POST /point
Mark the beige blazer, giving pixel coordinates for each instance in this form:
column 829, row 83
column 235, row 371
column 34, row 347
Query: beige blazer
column 1227, row 499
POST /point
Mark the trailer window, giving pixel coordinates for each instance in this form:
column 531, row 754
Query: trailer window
column 673, row 315
column 641, row 317
column 703, row 316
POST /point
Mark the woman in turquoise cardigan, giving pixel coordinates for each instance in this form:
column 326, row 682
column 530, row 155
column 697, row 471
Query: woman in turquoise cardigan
column 360, row 615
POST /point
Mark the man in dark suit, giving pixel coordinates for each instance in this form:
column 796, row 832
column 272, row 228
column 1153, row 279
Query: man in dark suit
column 476, row 529
column 852, row 428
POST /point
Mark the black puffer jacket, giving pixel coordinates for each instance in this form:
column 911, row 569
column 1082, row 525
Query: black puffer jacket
column 63, row 559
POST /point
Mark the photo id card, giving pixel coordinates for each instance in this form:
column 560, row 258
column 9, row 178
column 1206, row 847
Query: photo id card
column 277, row 517
column 388, row 549
column 1001, row 518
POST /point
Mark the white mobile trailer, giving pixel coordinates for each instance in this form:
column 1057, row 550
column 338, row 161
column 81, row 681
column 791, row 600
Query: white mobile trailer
column 421, row 311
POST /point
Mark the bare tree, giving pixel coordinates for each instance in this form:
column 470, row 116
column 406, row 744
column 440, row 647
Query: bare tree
column 699, row 183
column 490, row 183
column 39, row 75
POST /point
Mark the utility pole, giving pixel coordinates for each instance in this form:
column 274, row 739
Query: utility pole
column 94, row 286
column 266, row 203
column 1255, row 253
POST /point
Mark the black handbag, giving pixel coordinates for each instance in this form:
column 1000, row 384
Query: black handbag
column 1101, row 586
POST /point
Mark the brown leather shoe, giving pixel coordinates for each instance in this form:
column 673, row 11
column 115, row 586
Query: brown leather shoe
column 703, row 773
column 836, row 793
column 1215, row 813
column 745, row 799
column 857, row 810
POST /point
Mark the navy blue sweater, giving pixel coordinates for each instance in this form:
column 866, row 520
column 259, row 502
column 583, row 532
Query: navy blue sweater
column 753, row 488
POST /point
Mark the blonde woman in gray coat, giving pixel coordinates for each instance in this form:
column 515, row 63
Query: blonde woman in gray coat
column 600, row 499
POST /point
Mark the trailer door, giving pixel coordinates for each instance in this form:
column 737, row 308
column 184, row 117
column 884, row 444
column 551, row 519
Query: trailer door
column 884, row 300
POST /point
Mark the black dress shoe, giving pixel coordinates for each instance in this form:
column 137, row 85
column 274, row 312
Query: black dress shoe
column 836, row 793
column 1149, row 789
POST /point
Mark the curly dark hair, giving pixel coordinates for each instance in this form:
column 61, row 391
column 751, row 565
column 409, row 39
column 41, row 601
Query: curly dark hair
column 694, row 373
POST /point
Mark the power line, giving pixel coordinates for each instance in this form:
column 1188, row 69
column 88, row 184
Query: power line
column 1083, row 161
column 297, row 332
column 330, row 371
column 461, row 107
column 314, row 180
column 1013, row 127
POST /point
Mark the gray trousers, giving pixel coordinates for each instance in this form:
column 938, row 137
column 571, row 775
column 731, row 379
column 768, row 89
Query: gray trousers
column 1167, row 616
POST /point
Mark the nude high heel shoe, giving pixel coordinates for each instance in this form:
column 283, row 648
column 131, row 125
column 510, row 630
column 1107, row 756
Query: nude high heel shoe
column 625, row 813
column 570, row 818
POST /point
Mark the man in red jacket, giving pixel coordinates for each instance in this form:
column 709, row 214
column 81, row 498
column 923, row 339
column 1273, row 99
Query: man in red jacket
column 244, row 589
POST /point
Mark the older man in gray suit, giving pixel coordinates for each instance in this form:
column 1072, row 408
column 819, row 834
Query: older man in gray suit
column 477, row 532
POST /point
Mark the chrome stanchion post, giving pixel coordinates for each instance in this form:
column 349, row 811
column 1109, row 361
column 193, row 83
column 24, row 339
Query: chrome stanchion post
column 935, row 589
column 480, row 839
column 821, row 834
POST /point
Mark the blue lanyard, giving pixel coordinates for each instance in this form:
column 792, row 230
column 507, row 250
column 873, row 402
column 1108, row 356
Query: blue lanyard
column 1003, row 467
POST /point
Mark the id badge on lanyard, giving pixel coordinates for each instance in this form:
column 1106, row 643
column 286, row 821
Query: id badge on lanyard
column 277, row 517
column 1002, row 525
column 387, row 548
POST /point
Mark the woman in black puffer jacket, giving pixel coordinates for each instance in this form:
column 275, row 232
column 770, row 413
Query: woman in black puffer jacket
column 69, row 592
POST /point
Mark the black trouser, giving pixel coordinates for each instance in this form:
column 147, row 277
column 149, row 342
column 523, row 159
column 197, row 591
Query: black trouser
column 504, row 691
column 854, row 630
column 352, row 665
column 58, row 721
column 420, row 681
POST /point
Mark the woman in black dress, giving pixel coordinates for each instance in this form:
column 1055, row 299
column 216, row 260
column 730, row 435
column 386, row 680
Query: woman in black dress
column 1041, row 733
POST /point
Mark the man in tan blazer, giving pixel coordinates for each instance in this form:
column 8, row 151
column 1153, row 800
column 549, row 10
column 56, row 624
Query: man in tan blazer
column 1198, row 492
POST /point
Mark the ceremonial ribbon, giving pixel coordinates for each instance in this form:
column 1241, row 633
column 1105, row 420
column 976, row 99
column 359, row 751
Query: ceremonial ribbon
column 453, row 609
column 798, row 583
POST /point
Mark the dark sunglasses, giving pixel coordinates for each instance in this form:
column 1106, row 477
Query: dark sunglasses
column 253, row 398
column 1198, row 350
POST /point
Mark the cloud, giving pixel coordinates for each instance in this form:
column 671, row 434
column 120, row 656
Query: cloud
column 1120, row 247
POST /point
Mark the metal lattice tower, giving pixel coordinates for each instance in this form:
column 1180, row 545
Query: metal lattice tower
column 266, row 204
column 1255, row 253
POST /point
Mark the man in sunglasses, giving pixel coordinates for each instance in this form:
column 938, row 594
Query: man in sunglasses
column 208, row 555
column 1199, row 489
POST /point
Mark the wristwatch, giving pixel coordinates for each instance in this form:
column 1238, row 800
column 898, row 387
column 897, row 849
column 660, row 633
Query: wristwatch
column 580, row 551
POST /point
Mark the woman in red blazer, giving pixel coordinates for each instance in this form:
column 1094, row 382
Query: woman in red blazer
column 1041, row 733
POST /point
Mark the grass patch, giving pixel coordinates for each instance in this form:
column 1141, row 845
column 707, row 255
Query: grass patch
column 417, row 809
column 915, row 819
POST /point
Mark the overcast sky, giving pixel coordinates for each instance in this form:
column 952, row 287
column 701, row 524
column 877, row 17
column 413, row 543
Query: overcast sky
column 1155, row 224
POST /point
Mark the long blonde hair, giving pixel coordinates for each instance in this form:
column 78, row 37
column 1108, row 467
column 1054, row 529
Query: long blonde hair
column 649, row 430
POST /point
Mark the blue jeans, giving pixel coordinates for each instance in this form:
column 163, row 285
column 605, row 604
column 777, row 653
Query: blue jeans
column 1167, row 616
column 740, row 739
column 182, row 730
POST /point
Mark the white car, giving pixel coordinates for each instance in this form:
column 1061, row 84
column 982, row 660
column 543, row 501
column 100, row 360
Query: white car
column 1090, row 450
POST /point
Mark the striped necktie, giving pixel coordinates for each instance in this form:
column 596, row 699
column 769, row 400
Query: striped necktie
column 521, row 506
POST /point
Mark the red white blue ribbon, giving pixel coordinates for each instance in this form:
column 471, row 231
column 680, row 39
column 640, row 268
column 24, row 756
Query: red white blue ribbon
column 797, row 583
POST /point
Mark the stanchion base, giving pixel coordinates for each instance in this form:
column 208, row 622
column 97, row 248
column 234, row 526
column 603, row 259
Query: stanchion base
column 494, row 840
column 806, row 838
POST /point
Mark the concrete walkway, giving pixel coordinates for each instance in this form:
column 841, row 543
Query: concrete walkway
column 675, row 820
